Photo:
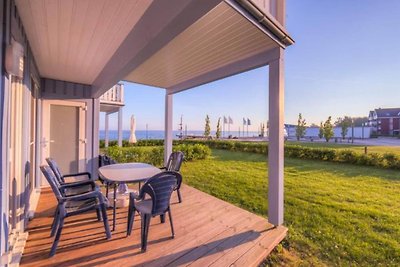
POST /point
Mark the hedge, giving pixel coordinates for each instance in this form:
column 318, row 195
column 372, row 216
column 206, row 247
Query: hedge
column 387, row 160
column 125, row 143
column 155, row 155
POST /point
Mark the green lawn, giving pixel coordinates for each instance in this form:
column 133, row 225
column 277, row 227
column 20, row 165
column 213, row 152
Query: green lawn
column 337, row 214
column 330, row 144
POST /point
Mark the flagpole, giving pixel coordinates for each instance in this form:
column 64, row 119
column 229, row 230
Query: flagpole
column 229, row 127
column 223, row 128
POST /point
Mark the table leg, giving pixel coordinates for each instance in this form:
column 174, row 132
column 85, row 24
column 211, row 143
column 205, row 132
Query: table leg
column 114, row 206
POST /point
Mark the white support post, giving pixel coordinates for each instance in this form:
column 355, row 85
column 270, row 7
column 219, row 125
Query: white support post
column 95, row 137
column 120, row 127
column 276, row 139
column 168, row 127
column 106, row 133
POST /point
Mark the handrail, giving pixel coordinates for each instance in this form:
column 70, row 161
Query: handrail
column 115, row 95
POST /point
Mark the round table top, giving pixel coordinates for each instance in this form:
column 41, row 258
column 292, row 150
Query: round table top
column 128, row 172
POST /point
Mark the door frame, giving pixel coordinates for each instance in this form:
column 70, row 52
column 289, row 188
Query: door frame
column 82, row 130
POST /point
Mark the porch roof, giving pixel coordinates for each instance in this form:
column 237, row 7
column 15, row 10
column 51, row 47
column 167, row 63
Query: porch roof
column 169, row 44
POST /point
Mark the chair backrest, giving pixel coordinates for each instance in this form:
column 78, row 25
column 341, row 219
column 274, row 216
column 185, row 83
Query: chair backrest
column 52, row 180
column 159, row 188
column 106, row 160
column 56, row 170
column 175, row 161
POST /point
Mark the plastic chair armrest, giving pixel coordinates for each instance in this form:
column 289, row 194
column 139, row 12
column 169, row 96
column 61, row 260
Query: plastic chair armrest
column 79, row 174
column 92, row 194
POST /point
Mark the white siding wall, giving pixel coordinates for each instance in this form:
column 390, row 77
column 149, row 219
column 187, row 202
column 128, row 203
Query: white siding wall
column 313, row 132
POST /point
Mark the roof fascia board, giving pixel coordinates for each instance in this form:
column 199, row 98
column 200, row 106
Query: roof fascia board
column 267, row 24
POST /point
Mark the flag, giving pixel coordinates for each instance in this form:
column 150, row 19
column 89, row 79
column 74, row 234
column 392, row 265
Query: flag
column 248, row 121
column 225, row 120
column 244, row 121
column 230, row 120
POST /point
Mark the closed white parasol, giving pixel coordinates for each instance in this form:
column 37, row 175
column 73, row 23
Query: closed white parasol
column 132, row 137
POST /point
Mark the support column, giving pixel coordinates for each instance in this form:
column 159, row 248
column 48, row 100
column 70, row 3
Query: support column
column 168, row 127
column 95, row 137
column 5, row 13
column 276, row 139
column 120, row 127
column 106, row 133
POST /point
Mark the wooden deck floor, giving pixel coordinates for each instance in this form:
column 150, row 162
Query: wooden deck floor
column 208, row 232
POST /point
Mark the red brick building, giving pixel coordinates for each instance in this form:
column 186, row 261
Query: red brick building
column 386, row 121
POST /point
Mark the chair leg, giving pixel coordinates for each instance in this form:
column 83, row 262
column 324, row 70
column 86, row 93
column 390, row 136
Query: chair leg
column 57, row 238
column 114, row 206
column 55, row 223
column 98, row 213
column 162, row 218
column 142, row 229
column 171, row 223
column 179, row 195
column 131, row 219
column 105, row 220
column 106, row 190
column 145, row 230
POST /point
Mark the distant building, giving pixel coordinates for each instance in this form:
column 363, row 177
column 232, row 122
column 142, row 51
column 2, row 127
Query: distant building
column 385, row 121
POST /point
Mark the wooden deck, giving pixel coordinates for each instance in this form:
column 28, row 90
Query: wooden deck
column 208, row 232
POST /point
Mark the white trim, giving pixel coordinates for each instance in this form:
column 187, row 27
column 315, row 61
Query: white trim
column 168, row 126
column 120, row 127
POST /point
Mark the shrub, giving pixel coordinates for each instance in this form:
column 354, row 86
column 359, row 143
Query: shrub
column 391, row 160
column 155, row 155
column 200, row 149
column 387, row 160
column 348, row 156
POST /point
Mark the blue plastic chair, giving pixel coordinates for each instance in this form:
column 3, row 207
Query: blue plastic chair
column 73, row 205
column 159, row 189
column 174, row 163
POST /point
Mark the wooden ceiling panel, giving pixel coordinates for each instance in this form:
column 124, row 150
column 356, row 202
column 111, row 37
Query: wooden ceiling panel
column 73, row 40
column 221, row 37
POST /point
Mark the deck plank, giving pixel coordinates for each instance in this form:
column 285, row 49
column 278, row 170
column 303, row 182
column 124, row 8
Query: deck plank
column 208, row 231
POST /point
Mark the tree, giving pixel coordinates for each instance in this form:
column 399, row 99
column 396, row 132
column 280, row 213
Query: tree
column 344, row 124
column 321, row 131
column 218, row 132
column 207, row 129
column 301, row 127
column 328, row 129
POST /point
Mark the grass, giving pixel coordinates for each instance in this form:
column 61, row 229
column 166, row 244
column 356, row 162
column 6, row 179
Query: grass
column 337, row 214
column 330, row 144
column 356, row 148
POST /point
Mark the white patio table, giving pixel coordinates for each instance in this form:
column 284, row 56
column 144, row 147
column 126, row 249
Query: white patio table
column 121, row 173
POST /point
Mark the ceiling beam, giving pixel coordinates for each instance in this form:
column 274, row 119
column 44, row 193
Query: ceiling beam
column 161, row 23
column 252, row 62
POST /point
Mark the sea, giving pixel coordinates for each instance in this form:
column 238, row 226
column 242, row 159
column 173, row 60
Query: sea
column 159, row 134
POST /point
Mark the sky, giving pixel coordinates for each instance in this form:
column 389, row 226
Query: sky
column 345, row 61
